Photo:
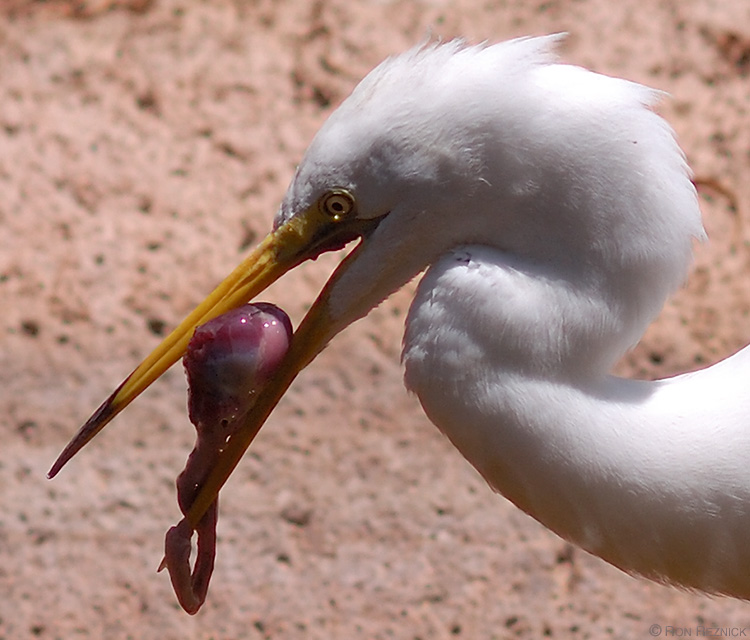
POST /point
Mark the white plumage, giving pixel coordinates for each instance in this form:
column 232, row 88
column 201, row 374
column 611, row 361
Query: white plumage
column 553, row 213
column 500, row 146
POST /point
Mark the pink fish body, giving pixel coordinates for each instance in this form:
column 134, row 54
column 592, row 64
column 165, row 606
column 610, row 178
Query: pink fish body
column 228, row 360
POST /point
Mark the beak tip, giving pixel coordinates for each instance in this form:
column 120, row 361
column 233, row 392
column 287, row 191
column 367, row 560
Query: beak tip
column 61, row 461
column 57, row 466
column 100, row 418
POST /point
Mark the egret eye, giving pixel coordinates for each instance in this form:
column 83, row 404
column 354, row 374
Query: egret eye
column 337, row 204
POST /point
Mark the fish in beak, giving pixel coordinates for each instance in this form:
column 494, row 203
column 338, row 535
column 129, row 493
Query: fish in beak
column 329, row 224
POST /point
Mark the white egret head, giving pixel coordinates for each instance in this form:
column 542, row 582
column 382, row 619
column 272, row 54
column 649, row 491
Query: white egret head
column 567, row 173
column 500, row 145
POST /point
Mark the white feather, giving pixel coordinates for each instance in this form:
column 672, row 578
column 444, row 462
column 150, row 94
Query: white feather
column 554, row 212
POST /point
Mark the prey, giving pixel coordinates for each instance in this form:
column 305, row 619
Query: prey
column 228, row 361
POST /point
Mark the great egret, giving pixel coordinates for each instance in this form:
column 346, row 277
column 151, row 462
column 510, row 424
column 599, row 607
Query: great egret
column 554, row 213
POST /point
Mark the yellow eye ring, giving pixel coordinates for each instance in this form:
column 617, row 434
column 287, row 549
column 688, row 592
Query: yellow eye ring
column 337, row 204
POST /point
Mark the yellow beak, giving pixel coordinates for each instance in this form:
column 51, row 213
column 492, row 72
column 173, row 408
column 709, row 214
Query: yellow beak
column 304, row 236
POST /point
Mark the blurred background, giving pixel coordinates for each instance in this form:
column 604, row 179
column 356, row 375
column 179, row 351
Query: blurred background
column 144, row 148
